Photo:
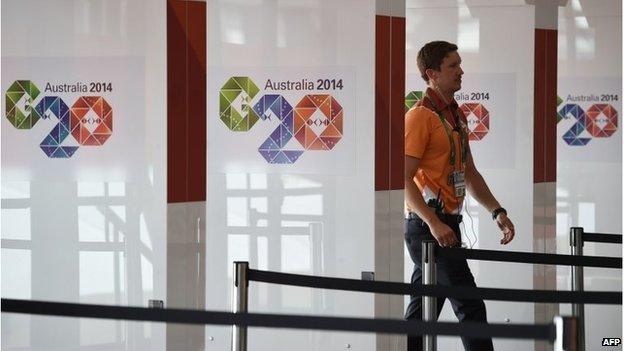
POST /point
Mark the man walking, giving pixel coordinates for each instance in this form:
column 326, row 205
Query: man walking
column 438, row 171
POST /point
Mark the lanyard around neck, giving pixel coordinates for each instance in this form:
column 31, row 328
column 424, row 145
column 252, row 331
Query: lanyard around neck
column 462, row 135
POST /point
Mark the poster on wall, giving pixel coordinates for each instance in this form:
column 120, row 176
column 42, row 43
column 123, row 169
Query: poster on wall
column 73, row 119
column 588, row 110
column 281, row 120
column 489, row 103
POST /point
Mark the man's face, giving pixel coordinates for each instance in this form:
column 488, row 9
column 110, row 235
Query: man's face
column 448, row 78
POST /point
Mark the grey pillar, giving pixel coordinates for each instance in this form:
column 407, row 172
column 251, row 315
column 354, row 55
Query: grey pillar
column 240, row 304
column 578, row 309
column 429, row 302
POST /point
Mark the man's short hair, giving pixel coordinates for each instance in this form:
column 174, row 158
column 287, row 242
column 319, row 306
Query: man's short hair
column 431, row 56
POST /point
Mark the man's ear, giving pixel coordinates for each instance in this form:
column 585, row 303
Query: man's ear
column 431, row 73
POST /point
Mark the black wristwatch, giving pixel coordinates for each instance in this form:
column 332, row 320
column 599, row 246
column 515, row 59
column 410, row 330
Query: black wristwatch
column 498, row 211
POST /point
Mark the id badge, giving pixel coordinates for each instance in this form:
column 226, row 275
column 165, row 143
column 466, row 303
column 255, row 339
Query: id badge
column 458, row 181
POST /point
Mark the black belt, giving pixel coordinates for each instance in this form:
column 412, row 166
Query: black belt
column 444, row 217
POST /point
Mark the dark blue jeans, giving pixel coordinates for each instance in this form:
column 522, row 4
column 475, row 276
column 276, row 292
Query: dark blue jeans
column 450, row 272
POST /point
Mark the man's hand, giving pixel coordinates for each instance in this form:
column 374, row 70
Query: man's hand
column 444, row 235
column 505, row 225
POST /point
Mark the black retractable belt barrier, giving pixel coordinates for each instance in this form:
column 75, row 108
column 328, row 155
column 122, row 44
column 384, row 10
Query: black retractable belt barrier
column 578, row 237
column 602, row 238
column 391, row 326
column 545, row 296
column 528, row 257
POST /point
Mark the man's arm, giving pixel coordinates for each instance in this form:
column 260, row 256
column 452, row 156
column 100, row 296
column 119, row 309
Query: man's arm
column 481, row 192
column 415, row 203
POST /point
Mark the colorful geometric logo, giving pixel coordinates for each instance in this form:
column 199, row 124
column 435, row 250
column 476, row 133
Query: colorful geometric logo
column 315, row 123
column 89, row 121
column 273, row 149
column 478, row 120
column 51, row 144
column 573, row 135
column 477, row 115
column 306, row 119
column 22, row 92
column 600, row 121
column 234, row 104
column 412, row 98
column 91, row 130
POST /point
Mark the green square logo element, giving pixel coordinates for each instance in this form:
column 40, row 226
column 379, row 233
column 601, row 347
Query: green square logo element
column 238, row 91
column 412, row 98
column 26, row 92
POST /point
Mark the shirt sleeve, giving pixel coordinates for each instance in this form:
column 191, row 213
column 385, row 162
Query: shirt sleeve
column 417, row 132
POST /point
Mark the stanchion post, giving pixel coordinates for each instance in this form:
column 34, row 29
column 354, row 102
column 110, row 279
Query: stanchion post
column 239, row 304
column 567, row 334
column 429, row 305
column 578, row 309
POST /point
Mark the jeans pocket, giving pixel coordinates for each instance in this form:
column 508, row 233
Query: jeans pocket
column 416, row 229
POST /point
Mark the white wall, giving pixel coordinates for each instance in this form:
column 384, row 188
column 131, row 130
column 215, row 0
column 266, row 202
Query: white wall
column 589, row 179
column 482, row 30
column 96, row 238
column 319, row 224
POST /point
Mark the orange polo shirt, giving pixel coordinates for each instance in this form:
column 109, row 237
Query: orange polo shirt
column 426, row 139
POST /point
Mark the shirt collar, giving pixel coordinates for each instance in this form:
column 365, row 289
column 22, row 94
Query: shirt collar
column 439, row 102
